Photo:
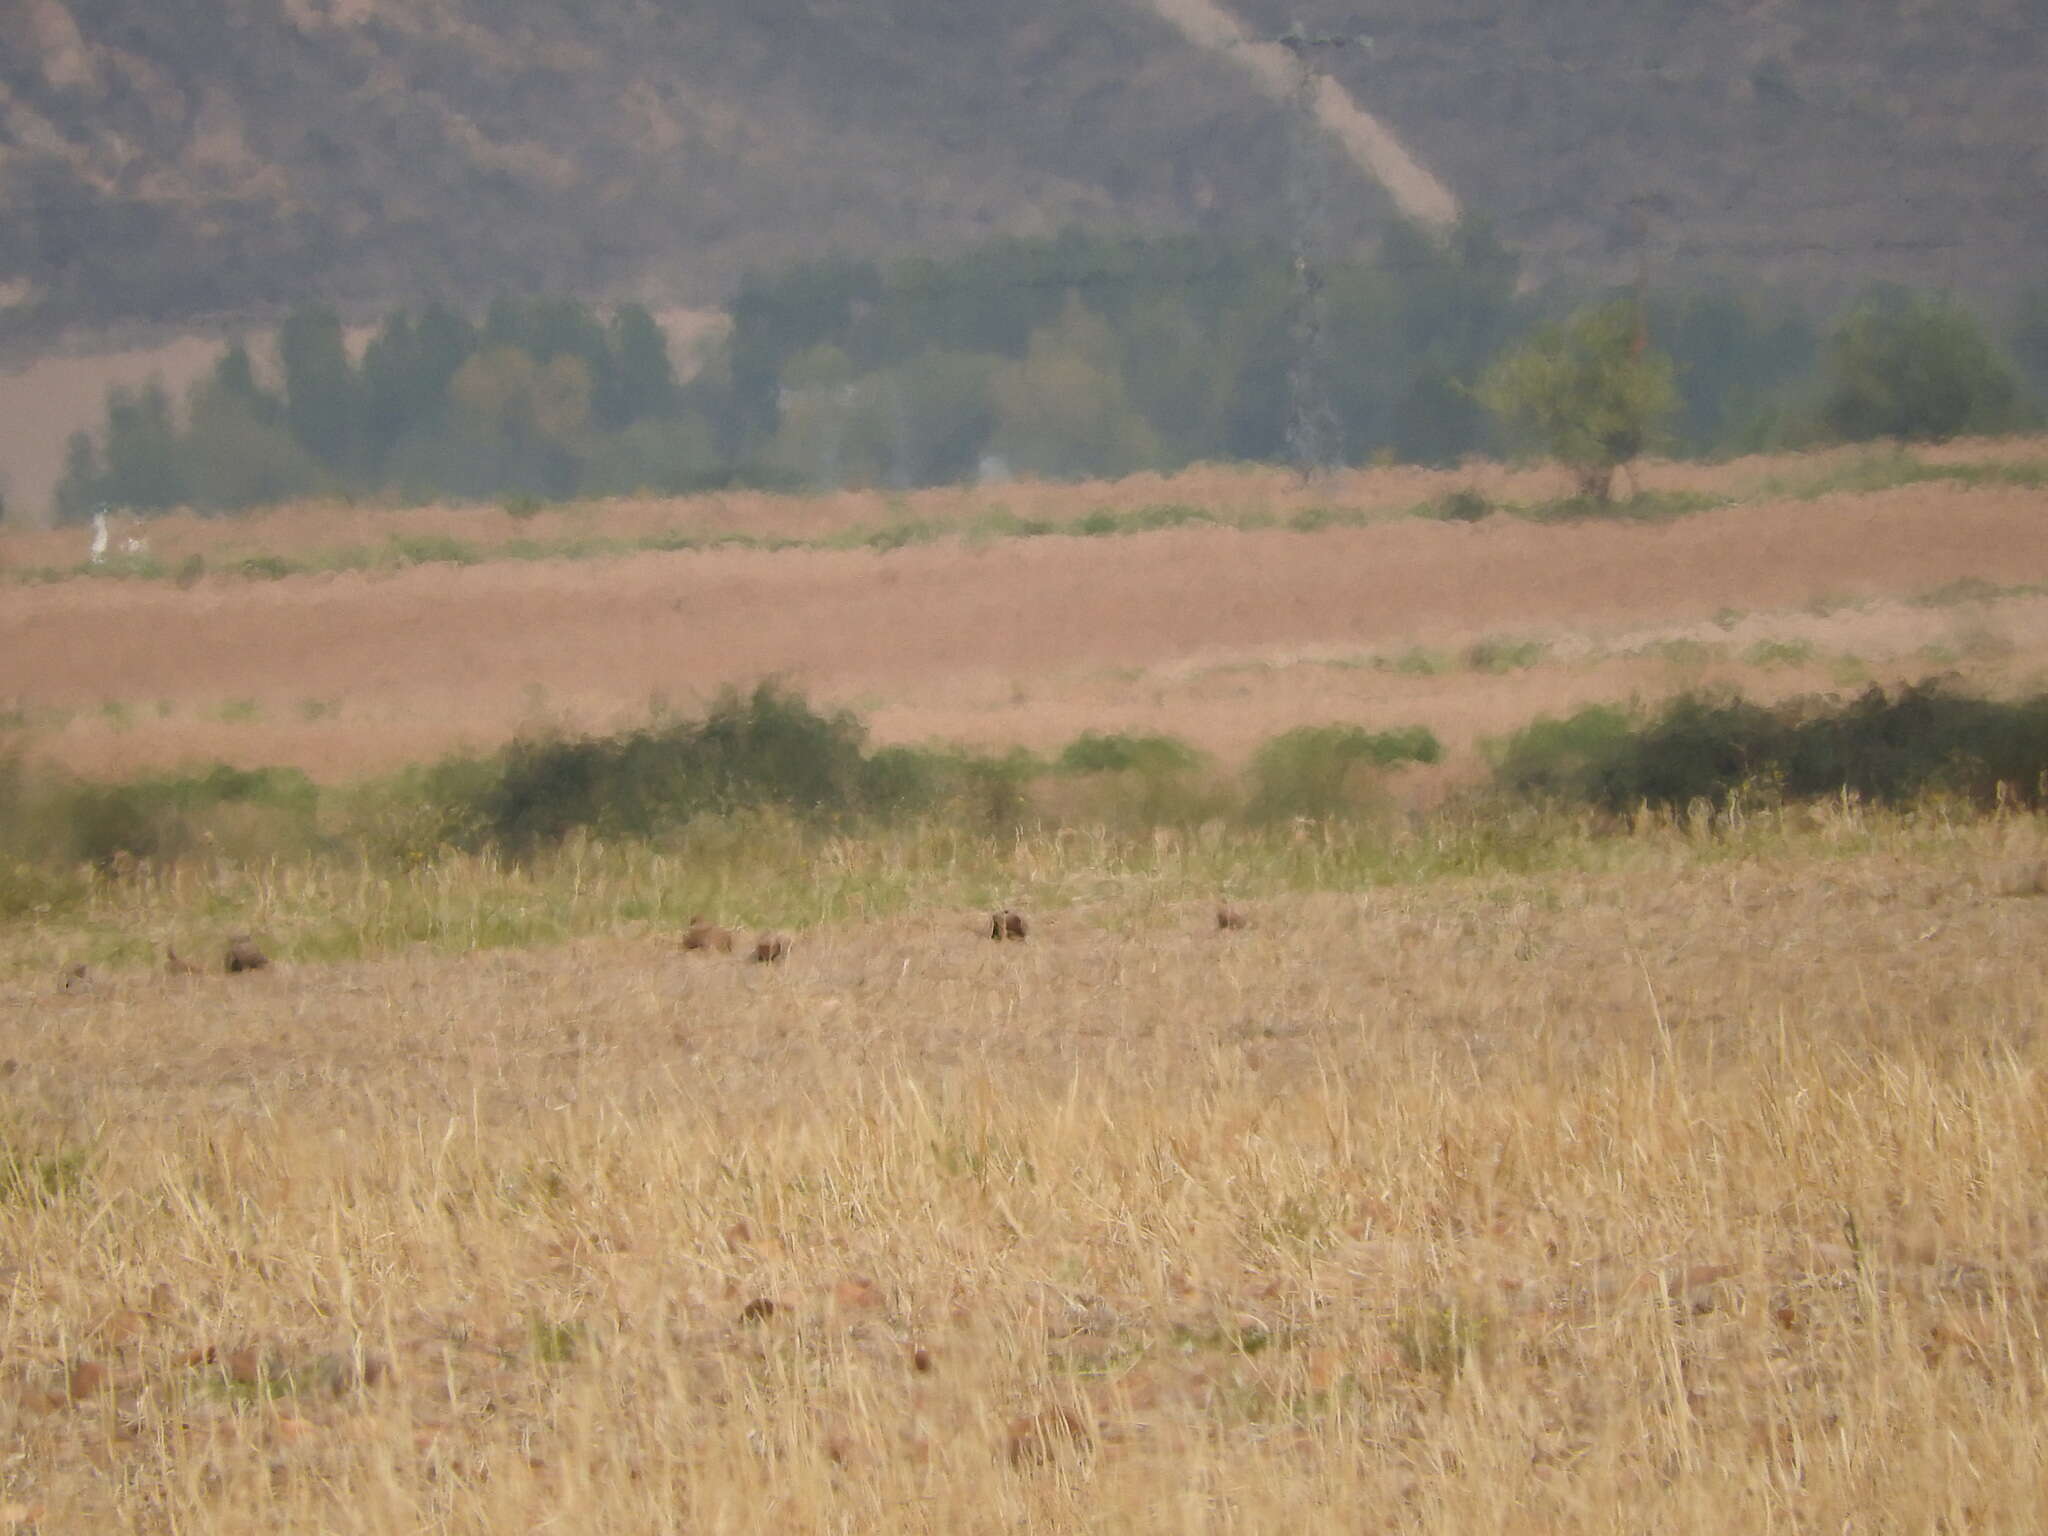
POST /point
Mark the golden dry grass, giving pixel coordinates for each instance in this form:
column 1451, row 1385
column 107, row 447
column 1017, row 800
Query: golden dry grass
column 1701, row 1195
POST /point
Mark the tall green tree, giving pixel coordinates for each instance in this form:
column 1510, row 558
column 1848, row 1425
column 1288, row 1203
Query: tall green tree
column 390, row 384
column 1063, row 411
column 236, row 451
column 641, row 382
column 78, row 488
column 2030, row 336
column 1586, row 391
column 1913, row 365
column 143, row 464
column 321, row 402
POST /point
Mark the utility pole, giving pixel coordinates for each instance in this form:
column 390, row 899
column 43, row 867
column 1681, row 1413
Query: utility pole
column 1314, row 435
column 1639, row 228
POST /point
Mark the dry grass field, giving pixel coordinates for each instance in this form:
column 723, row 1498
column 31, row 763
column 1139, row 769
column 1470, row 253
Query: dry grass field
column 1692, row 1184
column 1508, row 1171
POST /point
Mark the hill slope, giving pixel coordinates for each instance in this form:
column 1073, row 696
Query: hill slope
column 186, row 158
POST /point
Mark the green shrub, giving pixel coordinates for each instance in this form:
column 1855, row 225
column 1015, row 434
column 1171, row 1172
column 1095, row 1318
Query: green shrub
column 250, row 811
column 1779, row 653
column 1562, row 759
column 767, row 748
column 1500, row 653
column 1328, row 770
column 1914, row 366
column 1117, row 752
column 1462, row 506
column 1137, row 780
column 1885, row 746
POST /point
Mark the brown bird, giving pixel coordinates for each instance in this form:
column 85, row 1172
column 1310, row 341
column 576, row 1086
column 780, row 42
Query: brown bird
column 177, row 966
column 1007, row 925
column 243, row 955
column 770, row 947
column 704, row 934
column 76, row 978
column 1230, row 918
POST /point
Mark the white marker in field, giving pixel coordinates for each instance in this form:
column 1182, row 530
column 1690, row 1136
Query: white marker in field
column 99, row 535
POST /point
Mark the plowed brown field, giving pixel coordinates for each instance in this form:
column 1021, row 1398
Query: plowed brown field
column 1221, row 635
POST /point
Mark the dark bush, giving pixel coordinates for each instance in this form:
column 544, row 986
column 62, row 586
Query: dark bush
column 1887, row 747
column 761, row 749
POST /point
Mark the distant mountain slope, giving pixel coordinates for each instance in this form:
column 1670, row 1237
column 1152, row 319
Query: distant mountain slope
column 165, row 160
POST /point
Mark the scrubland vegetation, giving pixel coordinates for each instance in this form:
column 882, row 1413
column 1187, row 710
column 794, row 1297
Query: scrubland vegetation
column 1531, row 1165
column 1638, row 1131
column 1643, row 1134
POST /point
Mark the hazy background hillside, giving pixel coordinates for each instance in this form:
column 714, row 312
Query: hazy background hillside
column 936, row 233
column 193, row 158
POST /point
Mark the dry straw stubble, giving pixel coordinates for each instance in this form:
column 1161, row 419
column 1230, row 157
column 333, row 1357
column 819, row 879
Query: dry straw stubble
column 1561, row 1202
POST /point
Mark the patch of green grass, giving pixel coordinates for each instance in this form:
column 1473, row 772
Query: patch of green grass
column 265, row 568
column 1779, row 653
column 558, row 1342
column 900, row 536
column 1979, row 641
column 1502, row 653
column 1417, row 661
column 1683, row 651
column 239, row 712
column 1441, row 1338
column 1315, row 519
column 1643, row 507
column 32, row 1175
column 1974, row 589
column 1826, row 604
column 1893, row 468
column 1188, row 1339
column 407, row 549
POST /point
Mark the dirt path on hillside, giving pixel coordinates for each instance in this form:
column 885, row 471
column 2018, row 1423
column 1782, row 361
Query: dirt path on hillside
column 1369, row 143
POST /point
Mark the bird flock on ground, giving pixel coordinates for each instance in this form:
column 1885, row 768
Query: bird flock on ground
column 242, row 954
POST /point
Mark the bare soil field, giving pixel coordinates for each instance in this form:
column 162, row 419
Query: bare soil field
column 1697, row 1195
column 1219, row 634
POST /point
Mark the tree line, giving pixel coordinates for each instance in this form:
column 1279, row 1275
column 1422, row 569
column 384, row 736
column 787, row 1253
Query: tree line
column 1086, row 354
